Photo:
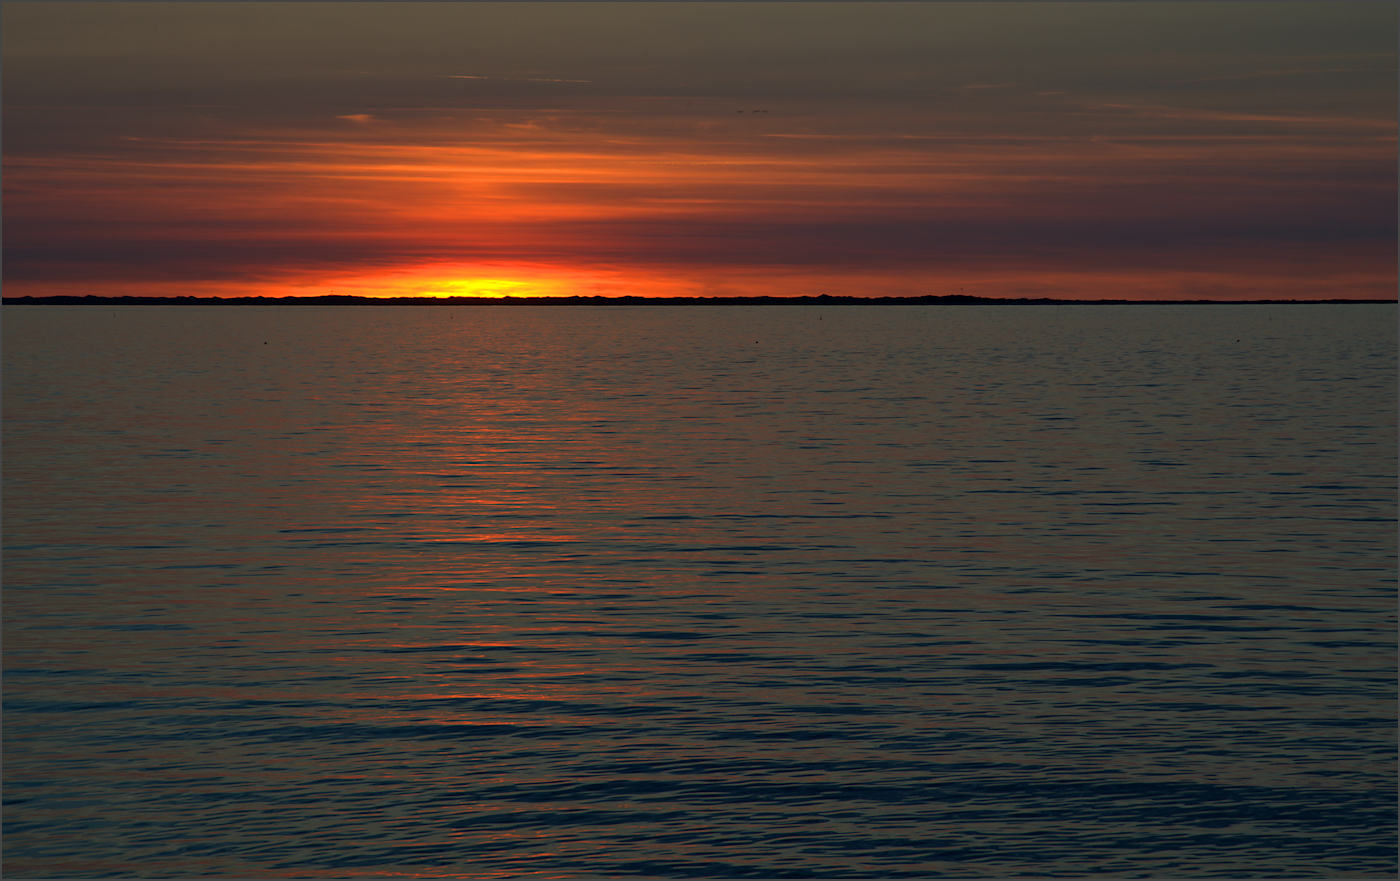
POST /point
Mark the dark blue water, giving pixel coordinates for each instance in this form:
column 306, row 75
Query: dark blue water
column 700, row 592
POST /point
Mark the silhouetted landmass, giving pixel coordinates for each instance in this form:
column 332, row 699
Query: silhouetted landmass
column 823, row 300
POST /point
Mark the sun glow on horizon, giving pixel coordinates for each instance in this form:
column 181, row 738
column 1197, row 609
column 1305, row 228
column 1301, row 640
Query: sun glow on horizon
column 494, row 281
column 495, row 288
column 448, row 281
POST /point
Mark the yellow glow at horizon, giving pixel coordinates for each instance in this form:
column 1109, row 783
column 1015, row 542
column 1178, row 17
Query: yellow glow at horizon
column 487, row 287
column 443, row 282
column 497, row 281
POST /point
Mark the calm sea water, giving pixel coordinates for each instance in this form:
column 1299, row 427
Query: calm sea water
column 700, row 592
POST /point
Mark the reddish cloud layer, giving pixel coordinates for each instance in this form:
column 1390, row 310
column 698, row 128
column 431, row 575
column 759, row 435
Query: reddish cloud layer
column 1047, row 193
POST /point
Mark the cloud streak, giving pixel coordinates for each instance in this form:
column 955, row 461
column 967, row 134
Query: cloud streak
column 510, row 79
column 875, row 166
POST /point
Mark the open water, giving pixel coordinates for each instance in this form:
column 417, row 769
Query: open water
column 700, row 592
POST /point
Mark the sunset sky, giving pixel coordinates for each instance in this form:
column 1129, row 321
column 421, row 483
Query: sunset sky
column 1073, row 150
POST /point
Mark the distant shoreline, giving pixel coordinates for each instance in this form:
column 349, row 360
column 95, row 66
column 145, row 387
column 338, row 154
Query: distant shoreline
column 823, row 300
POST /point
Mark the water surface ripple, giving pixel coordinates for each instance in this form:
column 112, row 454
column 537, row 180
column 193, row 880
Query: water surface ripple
column 700, row 592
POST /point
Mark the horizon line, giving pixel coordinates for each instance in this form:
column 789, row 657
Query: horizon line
column 632, row 299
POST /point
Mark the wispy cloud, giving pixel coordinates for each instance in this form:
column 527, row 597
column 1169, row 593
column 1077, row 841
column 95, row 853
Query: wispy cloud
column 509, row 79
column 1082, row 146
column 1301, row 71
column 1196, row 113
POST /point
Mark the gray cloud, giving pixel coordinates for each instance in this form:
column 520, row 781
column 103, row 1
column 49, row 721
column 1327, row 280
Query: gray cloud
column 1123, row 130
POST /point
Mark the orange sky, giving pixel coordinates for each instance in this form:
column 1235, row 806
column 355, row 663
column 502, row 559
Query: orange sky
column 1067, row 150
